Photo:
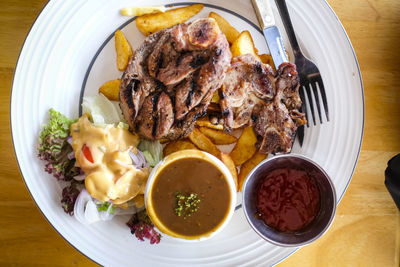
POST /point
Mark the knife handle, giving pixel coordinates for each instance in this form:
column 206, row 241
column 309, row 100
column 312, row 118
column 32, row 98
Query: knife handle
column 264, row 13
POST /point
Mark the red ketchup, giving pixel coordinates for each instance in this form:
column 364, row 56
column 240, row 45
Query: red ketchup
column 288, row 199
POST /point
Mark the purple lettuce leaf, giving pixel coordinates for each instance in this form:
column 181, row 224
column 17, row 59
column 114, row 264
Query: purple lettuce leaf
column 142, row 227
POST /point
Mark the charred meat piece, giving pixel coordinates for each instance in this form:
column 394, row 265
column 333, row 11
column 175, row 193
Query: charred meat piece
column 253, row 94
column 287, row 82
column 155, row 118
column 247, row 85
column 171, row 78
column 274, row 128
column 277, row 122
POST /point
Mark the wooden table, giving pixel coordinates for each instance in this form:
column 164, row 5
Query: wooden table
column 366, row 231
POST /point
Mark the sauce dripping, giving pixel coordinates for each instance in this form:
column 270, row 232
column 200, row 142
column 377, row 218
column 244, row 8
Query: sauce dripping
column 103, row 155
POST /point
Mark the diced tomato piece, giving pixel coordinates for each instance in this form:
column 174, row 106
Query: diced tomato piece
column 86, row 152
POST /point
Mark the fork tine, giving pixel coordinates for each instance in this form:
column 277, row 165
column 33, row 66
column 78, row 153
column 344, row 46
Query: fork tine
column 323, row 95
column 316, row 96
column 310, row 102
column 303, row 103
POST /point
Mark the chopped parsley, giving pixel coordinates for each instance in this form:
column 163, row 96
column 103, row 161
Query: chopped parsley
column 186, row 205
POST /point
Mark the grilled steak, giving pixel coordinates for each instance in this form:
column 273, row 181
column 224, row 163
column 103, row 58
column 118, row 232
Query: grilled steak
column 171, row 78
column 253, row 94
column 247, row 85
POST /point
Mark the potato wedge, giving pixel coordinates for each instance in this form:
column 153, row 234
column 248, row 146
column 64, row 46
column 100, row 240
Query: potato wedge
column 230, row 32
column 218, row 137
column 244, row 44
column 246, row 167
column 267, row 59
column 150, row 23
column 203, row 142
column 124, row 50
column 110, row 89
column 141, row 10
column 164, row 140
column 176, row 146
column 215, row 98
column 227, row 160
column 245, row 146
column 205, row 122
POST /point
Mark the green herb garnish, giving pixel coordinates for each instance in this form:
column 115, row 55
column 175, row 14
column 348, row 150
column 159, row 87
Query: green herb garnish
column 186, row 205
column 104, row 207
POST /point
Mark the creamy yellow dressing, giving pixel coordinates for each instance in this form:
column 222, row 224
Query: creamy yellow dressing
column 111, row 175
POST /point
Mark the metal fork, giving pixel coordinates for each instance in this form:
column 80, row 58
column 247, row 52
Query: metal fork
column 309, row 74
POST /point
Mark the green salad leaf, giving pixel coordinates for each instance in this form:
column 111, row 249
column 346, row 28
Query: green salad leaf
column 152, row 151
column 103, row 206
column 54, row 149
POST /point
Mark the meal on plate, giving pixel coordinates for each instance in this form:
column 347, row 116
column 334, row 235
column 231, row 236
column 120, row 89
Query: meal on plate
column 199, row 85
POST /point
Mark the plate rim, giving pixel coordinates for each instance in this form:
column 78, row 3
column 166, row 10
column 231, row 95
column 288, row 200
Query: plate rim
column 107, row 40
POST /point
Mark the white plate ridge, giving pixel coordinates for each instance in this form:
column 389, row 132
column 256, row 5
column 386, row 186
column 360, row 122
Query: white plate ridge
column 61, row 47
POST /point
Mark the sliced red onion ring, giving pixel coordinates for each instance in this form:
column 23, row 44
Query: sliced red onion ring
column 71, row 155
column 138, row 159
column 80, row 177
column 85, row 210
column 91, row 213
column 80, row 208
column 69, row 140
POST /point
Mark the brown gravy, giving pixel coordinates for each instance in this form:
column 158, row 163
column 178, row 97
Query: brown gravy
column 186, row 176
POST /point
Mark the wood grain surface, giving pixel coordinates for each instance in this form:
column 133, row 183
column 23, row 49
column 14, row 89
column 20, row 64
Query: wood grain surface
column 366, row 230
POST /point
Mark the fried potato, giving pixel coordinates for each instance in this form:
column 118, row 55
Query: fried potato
column 110, row 89
column 227, row 160
column 124, row 50
column 230, row 32
column 176, row 146
column 205, row 122
column 246, row 167
column 203, row 142
column 244, row 44
column 215, row 98
column 245, row 146
column 267, row 59
column 141, row 10
column 150, row 23
column 163, row 140
column 218, row 137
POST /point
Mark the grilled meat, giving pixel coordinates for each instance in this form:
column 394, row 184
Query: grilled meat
column 171, row 78
column 247, row 85
column 253, row 94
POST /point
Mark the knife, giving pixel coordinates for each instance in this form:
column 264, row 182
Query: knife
column 274, row 40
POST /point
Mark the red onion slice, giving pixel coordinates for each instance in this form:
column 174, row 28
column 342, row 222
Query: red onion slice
column 80, row 207
column 71, row 155
column 80, row 177
column 138, row 159
column 69, row 140
column 86, row 212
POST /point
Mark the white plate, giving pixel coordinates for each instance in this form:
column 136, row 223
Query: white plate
column 70, row 51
